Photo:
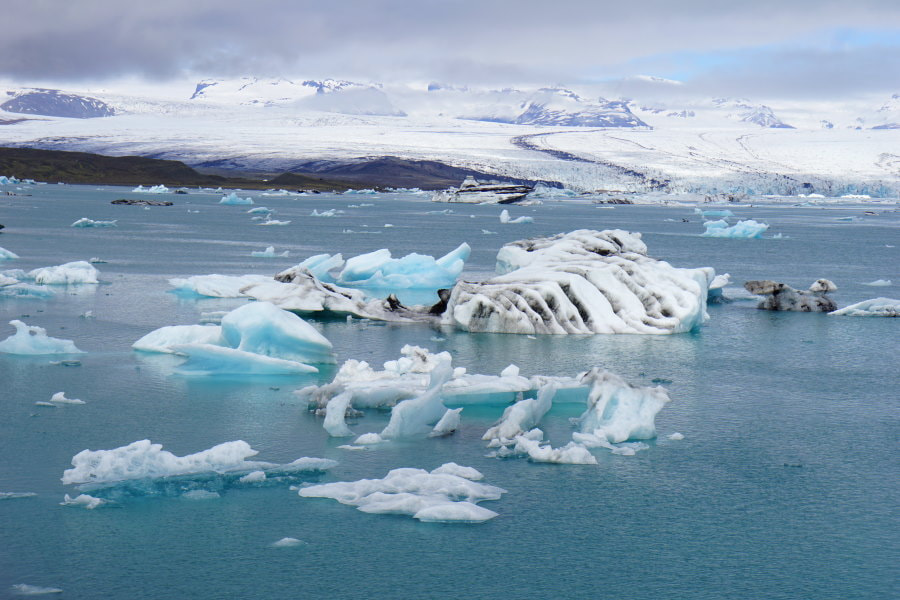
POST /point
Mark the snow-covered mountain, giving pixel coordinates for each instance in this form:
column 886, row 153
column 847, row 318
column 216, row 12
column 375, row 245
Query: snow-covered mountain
column 666, row 142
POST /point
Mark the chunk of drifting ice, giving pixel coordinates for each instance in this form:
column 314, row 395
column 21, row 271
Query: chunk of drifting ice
column 410, row 492
column 570, row 454
column 60, row 398
column 505, row 218
column 288, row 542
column 84, row 501
column 379, row 269
column 618, row 411
column 416, row 416
column 263, row 328
column 676, row 436
column 332, row 212
column 216, row 286
column 448, row 423
column 253, row 477
column 156, row 189
column 715, row 294
column 85, row 222
column 233, row 198
column 69, row 273
column 335, row 412
column 34, row 340
column 714, row 213
column 582, row 282
column 14, row 495
column 7, row 255
column 522, row 416
column 24, row 589
column 143, row 459
column 742, row 229
column 452, row 468
column 780, row 296
column 259, row 210
column 880, row 283
column 876, row 307
column 269, row 252
column 166, row 338
column 274, row 222
column 207, row 359
column 200, row 495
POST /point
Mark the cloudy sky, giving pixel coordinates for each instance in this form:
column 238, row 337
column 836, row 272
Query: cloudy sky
column 789, row 48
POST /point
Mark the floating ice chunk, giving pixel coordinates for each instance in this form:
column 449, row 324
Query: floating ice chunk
column 332, row 212
column 143, row 459
column 7, row 255
column 379, row 269
column 208, row 359
column 47, row 404
column 263, row 328
column 34, row 340
column 234, row 199
column 780, row 296
column 460, row 471
column 447, row 424
column 260, row 210
column 335, row 412
column 83, row 501
column 274, row 222
column 15, row 495
column 676, row 436
column 522, row 416
column 505, row 218
column 368, row 439
column 581, row 282
column 714, row 213
column 876, row 307
column 351, row 447
column 200, row 495
column 617, row 411
column 68, row 273
column 488, row 232
column 156, row 189
column 742, row 229
column 570, row 454
column 253, row 477
column 216, row 286
column 23, row 589
column 166, row 338
column 269, row 252
column 715, row 294
column 288, row 542
column 414, row 492
column 60, row 398
column 880, row 283
column 85, row 222
column 306, row 463
column 6, row 280
column 416, row 416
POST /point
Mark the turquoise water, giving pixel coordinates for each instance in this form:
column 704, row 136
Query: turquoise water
column 784, row 486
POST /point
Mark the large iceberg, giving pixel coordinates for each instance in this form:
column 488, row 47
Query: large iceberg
column 780, row 296
column 742, row 229
column 30, row 339
column 257, row 338
column 439, row 495
column 876, row 307
column 582, row 282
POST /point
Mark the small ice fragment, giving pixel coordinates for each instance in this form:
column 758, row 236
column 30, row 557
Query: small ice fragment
column 880, row 283
column 488, row 232
column 254, row 477
column 60, row 397
column 452, row 468
column 505, row 218
column 448, row 423
column 200, row 495
column 43, row 403
column 676, row 436
column 455, row 512
column 97, row 261
column 89, row 314
column 368, row 438
column 23, row 589
column 14, row 495
column 233, row 198
column 7, row 255
column 288, row 542
column 34, row 340
column 350, row 447
column 84, row 501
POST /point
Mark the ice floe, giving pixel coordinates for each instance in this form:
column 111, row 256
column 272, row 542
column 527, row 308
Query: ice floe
column 288, row 542
column 780, row 296
column 83, row 501
column 76, row 272
column 880, row 283
column 234, row 199
column 257, row 338
column 506, row 219
column 269, row 252
column 876, row 307
column 570, row 454
column 60, row 398
column 748, row 229
column 436, row 496
column 31, row 339
column 24, row 589
column 156, row 189
column 582, row 282
column 85, row 222
column 331, row 212
column 7, row 255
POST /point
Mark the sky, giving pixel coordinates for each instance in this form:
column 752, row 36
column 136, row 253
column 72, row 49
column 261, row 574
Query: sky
column 775, row 48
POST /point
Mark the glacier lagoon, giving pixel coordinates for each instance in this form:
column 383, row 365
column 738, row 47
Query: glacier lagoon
column 783, row 486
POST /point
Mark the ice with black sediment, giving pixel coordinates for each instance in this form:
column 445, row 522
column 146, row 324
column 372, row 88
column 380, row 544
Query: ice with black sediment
column 782, row 297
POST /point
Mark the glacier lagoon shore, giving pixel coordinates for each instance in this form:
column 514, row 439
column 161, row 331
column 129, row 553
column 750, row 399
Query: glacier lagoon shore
column 782, row 486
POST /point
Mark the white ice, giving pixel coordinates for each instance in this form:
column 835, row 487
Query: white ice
column 570, row 454
column 288, row 542
column 260, row 210
column 522, row 416
column 880, row 283
column 14, row 495
column 253, row 477
column 452, row 468
column 335, row 412
column 216, row 286
column 30, row 339
column 274, row 222
column 416, row 416
column 156, row 189
column 876, row 307
column 582, row 282
column 166, row 338
column 7, row 255
column 85, row 222
column 83, row 501
column 332, row 212
column 69, row 273
column 748, row 229
column 505, row 218
column 269, row 252
column 447, row 424
column 24, row 589
column 60, row 398
column 233, row 198
column 435, row 496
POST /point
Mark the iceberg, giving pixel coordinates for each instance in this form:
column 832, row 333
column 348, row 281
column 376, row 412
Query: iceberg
column 269, row 252
column 522, row 416
column 749, row 229
column 156, row 189
column 582, row 282
column 505, row 218
column 570, row 454
column 145, row 460
column 436, row 496
column 234, row 199
column 216, row 286
column 876, row 307
column 416, row 416
column 85, row 222
column 715, row 294
column 780, row 296
column 24, row 589
column 274, row 222
column 260, row 210
column 69, row 273
column 880, row 283
column 34, row 340
column 288, row 542
column 257, row 338
column 83, row 501
column 7, row 255
column 60, row 398
column 332, row 212
column 714, row 213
